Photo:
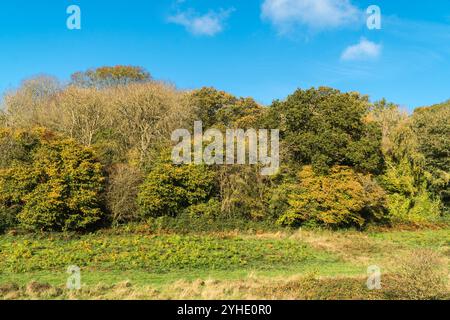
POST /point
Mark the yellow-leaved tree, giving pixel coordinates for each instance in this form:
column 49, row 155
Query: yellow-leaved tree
column 50, row 183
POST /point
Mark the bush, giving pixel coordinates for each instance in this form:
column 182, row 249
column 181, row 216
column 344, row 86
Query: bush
column 187, row 224
column 16, row 146
column 342, row 198
column 8, row 218
column 169, row 189
column 210, row 209
column 57, row 187
column 415, row 209
column 420, row 276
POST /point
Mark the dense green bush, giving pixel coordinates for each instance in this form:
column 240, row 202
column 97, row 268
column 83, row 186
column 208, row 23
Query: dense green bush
column 408, row 200
column 57, row 186
column 342, row 198
column 169, row 189
column 210, row 209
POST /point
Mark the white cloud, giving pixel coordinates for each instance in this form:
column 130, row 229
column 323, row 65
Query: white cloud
column 314, row 14
column 208, row 24
column 364, row 50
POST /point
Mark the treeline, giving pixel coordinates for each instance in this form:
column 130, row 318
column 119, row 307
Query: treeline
column 96, row 153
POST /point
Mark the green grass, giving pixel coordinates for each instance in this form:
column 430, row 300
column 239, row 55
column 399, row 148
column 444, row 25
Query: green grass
column 160, row 260
column 433, row 239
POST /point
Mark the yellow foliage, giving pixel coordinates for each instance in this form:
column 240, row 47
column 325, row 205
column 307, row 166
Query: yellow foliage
column 343, row 197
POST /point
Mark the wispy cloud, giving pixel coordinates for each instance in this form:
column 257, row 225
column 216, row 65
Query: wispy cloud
column 314, row 14
column 363, row 50
column 208, row 24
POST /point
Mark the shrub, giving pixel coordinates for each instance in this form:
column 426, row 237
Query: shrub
column 210, row 209
column 277, row 197
column 420, row 276
column 168, row 189
column 415, row 209
column 8, row 218
column 342, row 198
column 57, row 187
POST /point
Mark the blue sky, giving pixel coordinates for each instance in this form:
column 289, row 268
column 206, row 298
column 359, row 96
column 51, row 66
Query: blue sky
column 260, row 48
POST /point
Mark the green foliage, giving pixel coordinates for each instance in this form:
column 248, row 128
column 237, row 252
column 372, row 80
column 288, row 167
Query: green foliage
column 56, row 186
column 153, row 253
column 50, row 183
column 208, row 210
column 186, row 223
column 16, row 146
column 406, row 178
column 209, row 101
column 278, row 200
column 432, row 128
column 168, row 189
column 408, row 201
column 342, row 198
column 324, row 127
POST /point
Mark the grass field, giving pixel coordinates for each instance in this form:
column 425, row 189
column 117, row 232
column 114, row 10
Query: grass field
column 283, row 265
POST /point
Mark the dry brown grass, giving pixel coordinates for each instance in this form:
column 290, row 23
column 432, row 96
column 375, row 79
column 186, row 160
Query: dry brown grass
column 421, row 278
column 421, row 275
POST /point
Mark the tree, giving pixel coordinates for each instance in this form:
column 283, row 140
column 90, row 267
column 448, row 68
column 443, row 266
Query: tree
column 145, row 115
column 221, row 109
column 79, row 113
column 169, row 189
column 324, row 127
column 207, row 102
column 110, row 76
column 242, row 191
column 25, row 106
column 388, row 116
column 341, row 198
column 406, row 177
column 57, row 186
column 432, row 128
column 122, row 191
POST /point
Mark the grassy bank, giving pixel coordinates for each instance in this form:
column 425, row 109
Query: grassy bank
column 281, row 265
